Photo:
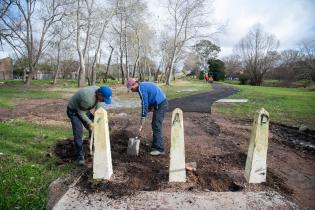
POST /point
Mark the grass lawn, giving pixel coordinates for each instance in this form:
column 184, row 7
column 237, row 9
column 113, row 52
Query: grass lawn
column 8, row 95
column 281, row 83
column 181, row 88
column 25, row 168
column 293, row 106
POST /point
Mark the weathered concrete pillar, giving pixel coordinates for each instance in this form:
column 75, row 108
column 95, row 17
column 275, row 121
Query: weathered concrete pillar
column 256, row 163
column 177, row 171
column 102, row 161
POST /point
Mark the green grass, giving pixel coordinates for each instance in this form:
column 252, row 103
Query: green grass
column 8, row 95
column 281, row 83
column 181, row 88
column 39, row 89
column 293, row 106
column 25, row 169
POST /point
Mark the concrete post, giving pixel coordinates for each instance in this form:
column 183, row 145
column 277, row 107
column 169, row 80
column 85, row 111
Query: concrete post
column 177, row 171
column 102, row 161
column 256, row 163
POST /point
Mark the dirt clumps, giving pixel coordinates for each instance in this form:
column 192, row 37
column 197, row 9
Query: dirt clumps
column 219, row 148
column 303, row 141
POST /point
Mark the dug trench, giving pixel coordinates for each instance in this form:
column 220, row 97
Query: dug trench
column 219, row 148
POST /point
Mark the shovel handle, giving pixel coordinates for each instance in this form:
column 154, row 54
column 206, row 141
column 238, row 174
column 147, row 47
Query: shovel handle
column 91, row 142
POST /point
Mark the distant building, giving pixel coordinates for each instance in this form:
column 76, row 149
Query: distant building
column 6, row 70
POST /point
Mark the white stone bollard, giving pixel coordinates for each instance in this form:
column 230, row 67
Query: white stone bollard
column 133, row 146
column 102, row 161
column 256, row 163
column 177, row 171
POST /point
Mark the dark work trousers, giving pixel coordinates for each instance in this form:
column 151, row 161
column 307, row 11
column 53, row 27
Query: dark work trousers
column 77, row 129
column 157, row 126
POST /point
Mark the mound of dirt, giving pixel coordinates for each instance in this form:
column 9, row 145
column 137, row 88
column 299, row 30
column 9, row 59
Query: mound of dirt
column 217, row 145
column 147, row 173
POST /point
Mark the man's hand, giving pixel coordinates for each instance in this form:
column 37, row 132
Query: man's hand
column 150, row 108
column 91, row 126
column 140, row 128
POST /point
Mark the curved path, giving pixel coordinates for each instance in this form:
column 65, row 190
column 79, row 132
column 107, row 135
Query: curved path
column 202, row 102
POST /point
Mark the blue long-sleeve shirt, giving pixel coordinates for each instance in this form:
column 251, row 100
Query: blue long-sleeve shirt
column 150, row 95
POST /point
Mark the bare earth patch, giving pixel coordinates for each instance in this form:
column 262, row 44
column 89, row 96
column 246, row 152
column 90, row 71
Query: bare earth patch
column 218, row 145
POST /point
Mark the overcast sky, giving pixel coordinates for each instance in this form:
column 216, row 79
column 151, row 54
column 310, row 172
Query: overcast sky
column 289, row 20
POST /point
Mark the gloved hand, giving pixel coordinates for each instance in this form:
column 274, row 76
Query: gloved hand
column 91, row 126
column 150, row 108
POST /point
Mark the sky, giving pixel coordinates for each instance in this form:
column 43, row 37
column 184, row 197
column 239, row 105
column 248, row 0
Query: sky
column 291, row 21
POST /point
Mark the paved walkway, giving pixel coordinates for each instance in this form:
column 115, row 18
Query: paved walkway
column 202, row 102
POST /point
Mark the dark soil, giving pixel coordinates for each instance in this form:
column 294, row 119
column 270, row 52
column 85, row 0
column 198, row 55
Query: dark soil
column 292, row 137
column 217, row 170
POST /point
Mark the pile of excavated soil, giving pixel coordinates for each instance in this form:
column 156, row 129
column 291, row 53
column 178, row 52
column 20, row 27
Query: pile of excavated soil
column 147, row 173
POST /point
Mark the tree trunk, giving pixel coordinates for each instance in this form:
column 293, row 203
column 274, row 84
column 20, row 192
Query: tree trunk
column 169, row 75
column 134, row 68
column 30, row 76
column 157, row 73
column 108, row 63
column 81, row 78
column 126, row 51
column 58, row 64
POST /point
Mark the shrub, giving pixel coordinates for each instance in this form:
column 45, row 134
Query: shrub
column 243, row 79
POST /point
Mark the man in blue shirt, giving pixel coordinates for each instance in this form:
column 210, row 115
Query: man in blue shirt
column 152, row 98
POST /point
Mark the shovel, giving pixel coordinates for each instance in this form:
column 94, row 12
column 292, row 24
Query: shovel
column 91, row 142
column 133, row 146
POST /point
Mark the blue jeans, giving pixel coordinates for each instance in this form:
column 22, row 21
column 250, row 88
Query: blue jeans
column 77, row 129
column 157, row 126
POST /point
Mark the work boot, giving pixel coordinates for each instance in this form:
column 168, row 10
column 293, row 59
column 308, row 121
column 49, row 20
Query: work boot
column 156, row 153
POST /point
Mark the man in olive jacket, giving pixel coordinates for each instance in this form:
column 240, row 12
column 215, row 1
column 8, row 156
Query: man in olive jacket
column 78, row 111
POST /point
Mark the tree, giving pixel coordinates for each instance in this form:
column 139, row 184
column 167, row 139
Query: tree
column 104, row 18
column 233, row 66
column 61, row 34
column 130, row 29
column 187, row 19
column 206, row 50
column 257, row 51
column 216, row 67
column 25, row 39
column 19, row 67
column 287, row 69
column 4, row 32
column 308, row 57
column 83, row 14
column 192, row 64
